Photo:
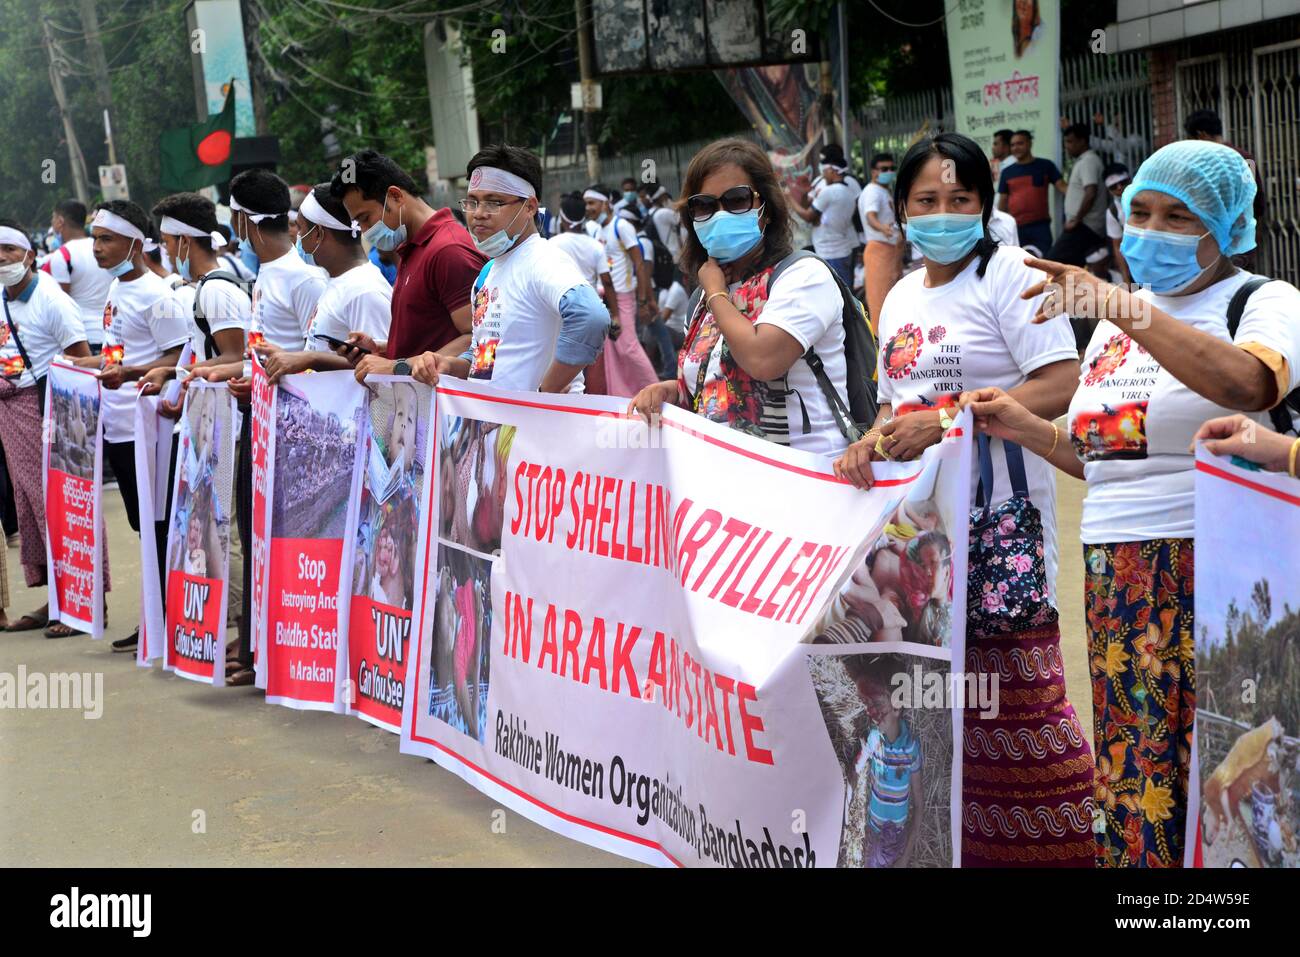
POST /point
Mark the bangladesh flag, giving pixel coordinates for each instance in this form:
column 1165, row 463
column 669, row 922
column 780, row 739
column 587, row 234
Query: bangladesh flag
column 199, row 155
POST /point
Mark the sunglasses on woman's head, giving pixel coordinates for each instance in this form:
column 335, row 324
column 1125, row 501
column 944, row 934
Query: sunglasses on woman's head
column 739, row 199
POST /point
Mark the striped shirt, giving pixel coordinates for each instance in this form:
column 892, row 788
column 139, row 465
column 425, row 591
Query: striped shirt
column 892, row 766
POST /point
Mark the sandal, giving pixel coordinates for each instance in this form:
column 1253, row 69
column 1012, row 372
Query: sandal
column 240, row 678
column 28, row 622
column 60, row 630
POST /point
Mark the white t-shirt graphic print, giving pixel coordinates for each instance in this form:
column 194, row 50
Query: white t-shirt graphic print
column 516, row 315
column 971, row 333
column 1132, row 422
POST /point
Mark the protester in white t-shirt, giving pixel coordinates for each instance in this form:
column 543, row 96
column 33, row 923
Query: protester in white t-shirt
column 73, row 266
column 626, row 367
column 357, row 297
column 1160, row 363
column 1117, row 178
column 960, row 323
column 663, row 219
column 587, row 253
column 760, row 384
column 882, row 256
column 145, row 328
column 537, row 323
column 672, row 309
column 830, row 207
column 41, row 322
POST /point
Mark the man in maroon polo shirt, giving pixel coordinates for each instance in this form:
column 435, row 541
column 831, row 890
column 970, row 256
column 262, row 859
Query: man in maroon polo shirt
column 437, row 264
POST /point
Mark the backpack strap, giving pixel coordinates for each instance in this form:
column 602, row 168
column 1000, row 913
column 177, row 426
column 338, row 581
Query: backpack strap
column 13, row 331
column 200, row 318
column 1279, row 415
column 839, row 408
column 67, row 258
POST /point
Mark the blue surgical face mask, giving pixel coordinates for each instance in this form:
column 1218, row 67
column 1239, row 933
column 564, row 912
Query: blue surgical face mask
column 183, row 265
column 125, row 266
column 945, row 237
column 600, row 220
column 306, row 257
column 629, row 196
column 886, row 178
column 728, row 236
column 384, row 238
column 501, row 241
column 248, row 256
column 1164, row 261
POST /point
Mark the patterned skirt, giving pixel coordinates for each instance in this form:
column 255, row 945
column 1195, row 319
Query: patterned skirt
column 1027, row 772
column 1138, row 597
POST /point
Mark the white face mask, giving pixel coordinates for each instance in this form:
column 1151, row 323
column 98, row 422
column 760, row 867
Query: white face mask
column 13, row 273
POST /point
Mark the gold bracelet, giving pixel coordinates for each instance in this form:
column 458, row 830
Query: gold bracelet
column 1105, row 306
column 710, row 299
column 1056, row 438
column 1291, row 462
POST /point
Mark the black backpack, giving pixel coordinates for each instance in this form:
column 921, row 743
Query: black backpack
column 859, row 357
column 1284, row 413
column 663, row 271
column 200, row 320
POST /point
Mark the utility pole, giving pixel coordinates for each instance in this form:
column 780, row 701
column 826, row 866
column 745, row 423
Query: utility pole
column 57, row 66
column 585, row 56
column 98, row 67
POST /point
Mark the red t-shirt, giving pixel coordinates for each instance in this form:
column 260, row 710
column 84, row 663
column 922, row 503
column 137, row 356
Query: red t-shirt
column 436, row 270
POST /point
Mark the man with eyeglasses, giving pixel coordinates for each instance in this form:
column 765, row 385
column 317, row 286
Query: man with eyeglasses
column 536, row 322
column 436, row 264
column 882, row 257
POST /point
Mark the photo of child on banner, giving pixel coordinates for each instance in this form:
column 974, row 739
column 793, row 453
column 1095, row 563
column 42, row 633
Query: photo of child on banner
column 1247, row 646
column 897, row 761
column 198, row 539
column 375, row 604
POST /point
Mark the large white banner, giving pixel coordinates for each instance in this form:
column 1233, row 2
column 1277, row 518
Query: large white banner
column 1246, row 772
column 72, row 463
column 686, row 645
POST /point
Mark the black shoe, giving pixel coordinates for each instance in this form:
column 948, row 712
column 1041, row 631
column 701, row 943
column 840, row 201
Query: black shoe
column 128, row 643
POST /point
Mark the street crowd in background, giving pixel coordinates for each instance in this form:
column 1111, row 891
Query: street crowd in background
column 934, row 284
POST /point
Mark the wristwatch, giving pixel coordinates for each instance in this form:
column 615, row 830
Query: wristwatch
column 401, row 367
column 945, row 420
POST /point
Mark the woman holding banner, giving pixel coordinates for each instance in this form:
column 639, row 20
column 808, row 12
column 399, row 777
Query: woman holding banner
column 759, row 312
column 959, row 323
column 1200, row 339
column 41, row 321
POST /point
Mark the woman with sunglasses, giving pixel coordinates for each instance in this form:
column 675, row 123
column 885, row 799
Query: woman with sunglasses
column 741, row 364
column 960, row 322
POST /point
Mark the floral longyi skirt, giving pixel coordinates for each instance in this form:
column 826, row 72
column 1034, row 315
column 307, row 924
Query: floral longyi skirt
column 1138, row 598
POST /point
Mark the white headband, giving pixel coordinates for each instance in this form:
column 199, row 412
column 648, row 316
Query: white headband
column 1114, row 178
column 14, row 237
column 491, row 179
column 567, row 221
column 314, row 212
column 661, row 191
column 150, row 246
column 255, row 217
column 116, row 224
column 293, row 215
column 595, row 194
column 174, row 227
column 836, row 166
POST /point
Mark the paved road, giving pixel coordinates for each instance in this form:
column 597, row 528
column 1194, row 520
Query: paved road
column 271, row 786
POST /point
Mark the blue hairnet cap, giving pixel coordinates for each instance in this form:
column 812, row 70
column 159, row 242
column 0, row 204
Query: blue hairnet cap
column 1215, row 183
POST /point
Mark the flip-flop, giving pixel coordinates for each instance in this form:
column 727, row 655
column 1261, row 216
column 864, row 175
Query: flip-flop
column 241, row 678
column 28, row 622
column 60, row 630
